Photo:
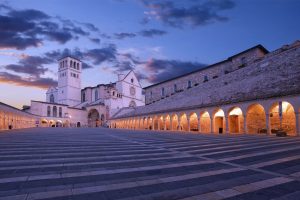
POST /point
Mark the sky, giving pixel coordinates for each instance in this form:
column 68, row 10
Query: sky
column 158, row 39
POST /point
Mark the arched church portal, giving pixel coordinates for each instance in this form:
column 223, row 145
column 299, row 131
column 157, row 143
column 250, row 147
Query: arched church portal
column 93, row 118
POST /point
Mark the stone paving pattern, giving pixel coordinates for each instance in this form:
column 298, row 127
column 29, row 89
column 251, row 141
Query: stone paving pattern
column 57, row 163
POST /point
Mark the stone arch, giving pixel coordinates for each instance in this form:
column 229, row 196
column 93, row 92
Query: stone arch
column 145, row 121
column 193, row 121
column 174, row 122
column 235, row 120
column 183, row 122
column 282, row 117
column 256, row 119
column 102, row 119
column 51, row 123
column 205, row 122
column 44, row 123
column 93, row 118
column 155, row 118
column 168, row 122
column 150, row 123
column 219, row 125
column 59, row 123
column 160, row 122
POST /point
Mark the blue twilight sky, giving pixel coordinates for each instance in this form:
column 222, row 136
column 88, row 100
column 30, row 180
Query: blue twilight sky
column 158, row 39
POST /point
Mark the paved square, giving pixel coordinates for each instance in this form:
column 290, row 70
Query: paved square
column 57, row 163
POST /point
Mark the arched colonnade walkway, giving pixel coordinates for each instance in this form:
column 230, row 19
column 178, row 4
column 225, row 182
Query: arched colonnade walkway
column 265, row 116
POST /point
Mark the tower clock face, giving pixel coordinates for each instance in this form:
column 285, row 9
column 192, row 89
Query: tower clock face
column 132, row 91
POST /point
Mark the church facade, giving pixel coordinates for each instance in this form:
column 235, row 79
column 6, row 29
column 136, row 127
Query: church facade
column 69, row 105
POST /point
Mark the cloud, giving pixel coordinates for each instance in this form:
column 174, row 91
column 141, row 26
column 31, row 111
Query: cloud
column 37, row 82
column 31, row 65
column 193, row 14
column 29, row 14
column 152, row 32
column 121, row 36
column 143, row 33
column 21, row 29
column 95, row 40
column 160, row 70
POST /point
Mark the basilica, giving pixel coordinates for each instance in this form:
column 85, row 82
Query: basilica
column 69, row 105
column 252, row 92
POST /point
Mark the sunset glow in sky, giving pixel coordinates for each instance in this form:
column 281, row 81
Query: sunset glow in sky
column 158, row 39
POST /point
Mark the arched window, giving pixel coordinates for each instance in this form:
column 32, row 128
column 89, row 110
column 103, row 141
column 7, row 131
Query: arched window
column 162, row 91
column 132, row 104
column 74, row 65
column 48, row 111
column 189, row 84
column 60, row 112
column 51, row 98
column 83, row 97
column 77, row 66
column 175, row 88
column 71, row 63
column 96, row 95
column 54, row 111
column 132, row 80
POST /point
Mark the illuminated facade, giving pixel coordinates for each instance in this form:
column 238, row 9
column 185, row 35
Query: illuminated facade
column 255, row 91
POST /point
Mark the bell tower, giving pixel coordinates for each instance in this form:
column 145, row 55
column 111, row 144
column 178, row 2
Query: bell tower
column 69, row 81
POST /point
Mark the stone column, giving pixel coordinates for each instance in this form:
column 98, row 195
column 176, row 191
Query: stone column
column 158, row 123
column 165, row 123
column 211, row 125
column 227, row 125
column 171, row 123
column 245, row 124
column 268, row 125
column 179, row 124
column 153, row 123
column 297, row 123
column 199, row 124
column 189, row 124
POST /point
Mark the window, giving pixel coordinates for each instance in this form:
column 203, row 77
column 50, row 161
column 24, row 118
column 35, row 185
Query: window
column 51, row 98
column 113, row 93
column 77, row 66
column 175, row 88
column 60, row 112
column 132, row 80
column 162, row 91
column 189, row 84
column 83, row 97
column 48, row 111
column 243, row 60
column 54, row 111
column 71, row 63
column 74, row 65
column 132, row 104
column 205, row 78
column 96, row 95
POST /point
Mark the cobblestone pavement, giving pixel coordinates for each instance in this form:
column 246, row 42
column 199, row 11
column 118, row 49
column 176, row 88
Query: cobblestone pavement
column 57, row 163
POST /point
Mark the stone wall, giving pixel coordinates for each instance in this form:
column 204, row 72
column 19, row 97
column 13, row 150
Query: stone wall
column 216, row 71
